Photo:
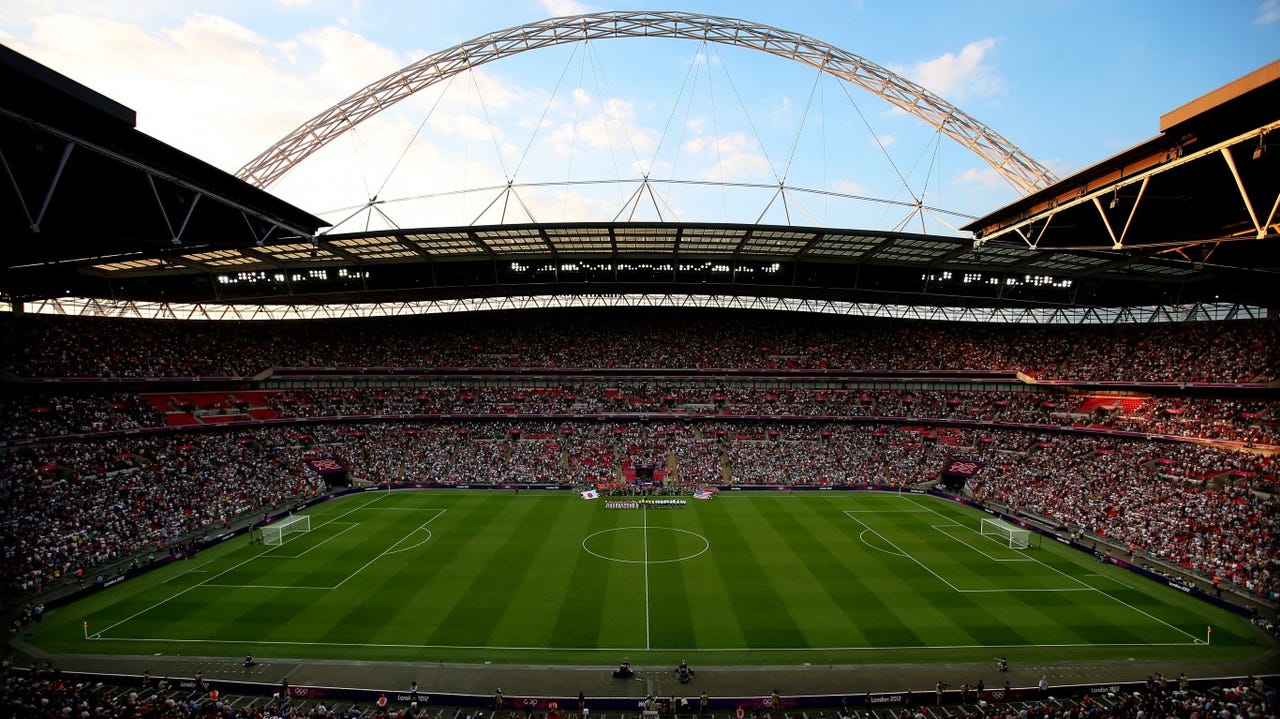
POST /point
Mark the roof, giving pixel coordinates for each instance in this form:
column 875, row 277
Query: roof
column 1204, row 191
column 86, row 185
column 103, row 210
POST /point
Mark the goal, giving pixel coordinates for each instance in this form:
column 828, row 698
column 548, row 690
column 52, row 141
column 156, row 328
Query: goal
column 274, row 533
column 1005, row 533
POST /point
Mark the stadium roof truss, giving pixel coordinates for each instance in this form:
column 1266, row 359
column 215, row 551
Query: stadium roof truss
column 79, row 185
column 1194, row 312
column 1204, row 191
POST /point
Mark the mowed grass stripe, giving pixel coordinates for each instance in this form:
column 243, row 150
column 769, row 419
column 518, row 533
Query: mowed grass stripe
column 670, row 612
column 579, row 621
column 749, row 560
column 360, row 608
column 623, row 621
column 541, row 591
column 947, row 616
column 793, row 561
column 498, row 555
column 422, row 584
column 1091, row 617
column 712, row 623
column 817, row 535
column 895, row 596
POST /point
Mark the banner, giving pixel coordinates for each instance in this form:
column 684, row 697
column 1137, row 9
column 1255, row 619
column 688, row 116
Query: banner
column 961, row 468
column 326, row 464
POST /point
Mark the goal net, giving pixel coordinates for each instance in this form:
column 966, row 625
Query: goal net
column 275, row 533
column 1005, row 533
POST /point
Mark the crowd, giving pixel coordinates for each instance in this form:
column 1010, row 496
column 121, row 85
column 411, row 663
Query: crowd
column 73, row 506
column 1255, row 422
column 70, row 507
column 42, row 346
column 43, row 693
column 1153, row 499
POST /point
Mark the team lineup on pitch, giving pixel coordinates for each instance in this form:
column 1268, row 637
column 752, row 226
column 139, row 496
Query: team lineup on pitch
column 742, row 579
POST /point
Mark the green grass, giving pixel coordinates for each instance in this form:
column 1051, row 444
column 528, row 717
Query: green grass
column 769, row 578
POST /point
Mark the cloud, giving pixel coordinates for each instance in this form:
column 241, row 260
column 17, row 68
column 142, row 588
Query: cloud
column 956, row 76
column 848, row 187
column 1268, row 12
column 980, row 178
column 561, row 8
column 696, row 145
column 781, row 113
column 737, row 160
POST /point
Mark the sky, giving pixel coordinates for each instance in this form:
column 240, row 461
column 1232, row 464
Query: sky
column 717, row 130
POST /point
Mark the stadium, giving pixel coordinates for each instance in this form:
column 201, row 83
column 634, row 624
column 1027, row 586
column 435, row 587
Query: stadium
column 261, row 460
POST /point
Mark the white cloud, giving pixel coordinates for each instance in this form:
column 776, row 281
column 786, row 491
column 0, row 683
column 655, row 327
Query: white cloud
column 984, row 178
column 348, row 60
column 956, row 76
column 560, row 8
column 848, row 187
column 695, row 145
column 781, row 113
column 1268, row 12
column 737, row 160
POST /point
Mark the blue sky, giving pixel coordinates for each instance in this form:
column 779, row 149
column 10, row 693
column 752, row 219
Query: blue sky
column 1068, row 82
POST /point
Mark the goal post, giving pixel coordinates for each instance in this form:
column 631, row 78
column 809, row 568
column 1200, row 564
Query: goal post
column 274, row 533
column 1005, row 533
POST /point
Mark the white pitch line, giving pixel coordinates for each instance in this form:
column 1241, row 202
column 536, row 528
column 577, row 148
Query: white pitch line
column 941, row 528
column 862, row 537
column 905, row 553
column 263, row 586
column 219, row 574
column 780, row 650
column 350, row 525
column 1090, row 586
column 388, row 550
column 426, row 539
column 194, row 569
column 644, row 515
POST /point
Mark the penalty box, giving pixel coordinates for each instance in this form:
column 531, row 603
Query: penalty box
column 329, row 555
column 956, row 551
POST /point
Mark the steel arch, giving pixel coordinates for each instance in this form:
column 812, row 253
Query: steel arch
column 1004, row 157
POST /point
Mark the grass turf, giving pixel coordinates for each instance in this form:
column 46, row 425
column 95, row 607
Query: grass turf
column 760, row 578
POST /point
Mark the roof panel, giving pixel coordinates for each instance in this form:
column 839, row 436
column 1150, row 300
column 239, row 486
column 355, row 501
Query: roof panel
column 129, row 265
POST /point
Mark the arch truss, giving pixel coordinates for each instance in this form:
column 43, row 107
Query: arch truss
column 1020, row 170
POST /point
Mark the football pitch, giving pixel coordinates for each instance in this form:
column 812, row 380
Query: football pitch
column 767, row 578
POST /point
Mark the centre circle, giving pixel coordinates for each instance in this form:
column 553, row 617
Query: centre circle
column 639, row 545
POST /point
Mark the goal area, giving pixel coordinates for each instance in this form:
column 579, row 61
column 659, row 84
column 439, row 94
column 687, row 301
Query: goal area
column 1005, row 533
column 275, row 533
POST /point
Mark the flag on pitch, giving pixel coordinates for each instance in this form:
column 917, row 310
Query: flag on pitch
column 590, row 494
column 704, row 493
